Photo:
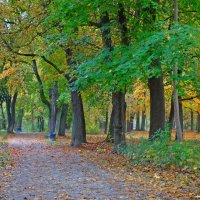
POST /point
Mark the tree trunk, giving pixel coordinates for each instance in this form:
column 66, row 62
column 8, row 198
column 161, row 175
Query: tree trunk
column 18, row 125
column 119, row 121
column 42, row 95
column 3, row 117
column 58, row 116
column 177, row 108
column 110, row 137
column 191, row 120
column 171, row 115
column 137, row 121
column 63, row 118
column 106, row 123
column 10, row 107
column 157, row 105
column 32, row 120
column 180, row 111
column 53, row 108
column 143, row 120
column 130, row 123
column 198, row 123
column 78, row 120
column 179, row 133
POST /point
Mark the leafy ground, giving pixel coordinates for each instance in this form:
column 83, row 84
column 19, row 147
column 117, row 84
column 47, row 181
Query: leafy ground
column 44, row 170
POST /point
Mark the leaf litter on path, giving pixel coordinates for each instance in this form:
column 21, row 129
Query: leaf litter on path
column 45, row 171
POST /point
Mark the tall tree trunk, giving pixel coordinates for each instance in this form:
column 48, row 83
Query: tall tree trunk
column 171, row 114
column 191, row 120
column 106, row 123
column 41, row 90
column 63, row 118
column 130, row 123
column 53, row 108
column 157, row 105
column 32, row 120
column 78, row 120
column 10, row 107
column 3, row 117
column 78, row 117
column 179, row 132
column 110, row 136
column 8, row 110
column 58, row 116
column 107, row 44
column 143, row 120
column 180, row 111
column 19, row 120
column 155, row 84
column 118, row 100
column 198, row 123
column 137, row 121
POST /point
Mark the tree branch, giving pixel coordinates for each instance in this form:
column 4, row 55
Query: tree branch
column 56, row 68
column 42, row 96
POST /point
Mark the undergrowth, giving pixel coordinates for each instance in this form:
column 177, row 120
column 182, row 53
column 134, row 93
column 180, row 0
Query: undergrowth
column 164, row 152
column 4, row 154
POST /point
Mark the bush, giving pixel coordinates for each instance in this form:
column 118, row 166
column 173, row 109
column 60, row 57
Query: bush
column 163, row 152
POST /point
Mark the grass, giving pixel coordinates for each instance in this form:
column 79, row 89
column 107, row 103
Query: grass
column 164, row 151
column 4, row 151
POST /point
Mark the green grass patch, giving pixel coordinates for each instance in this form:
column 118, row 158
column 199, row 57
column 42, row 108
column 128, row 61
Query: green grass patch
column 3, row 136
column 4, row 154
column 53, row 142
column 164, row 152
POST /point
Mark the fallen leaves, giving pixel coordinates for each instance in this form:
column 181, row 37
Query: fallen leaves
column 72, row 163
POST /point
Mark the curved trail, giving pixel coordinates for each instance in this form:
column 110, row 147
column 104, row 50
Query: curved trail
column 43, row 172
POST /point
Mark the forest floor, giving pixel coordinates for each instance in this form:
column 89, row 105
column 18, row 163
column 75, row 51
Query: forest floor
column 43, row 170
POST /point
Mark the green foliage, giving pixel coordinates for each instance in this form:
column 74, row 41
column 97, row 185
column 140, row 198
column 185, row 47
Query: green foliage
column 92, row 128
column 184, row 155
column 4, row 155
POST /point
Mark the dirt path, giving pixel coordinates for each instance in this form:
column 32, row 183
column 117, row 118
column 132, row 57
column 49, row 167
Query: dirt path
column 43, row 171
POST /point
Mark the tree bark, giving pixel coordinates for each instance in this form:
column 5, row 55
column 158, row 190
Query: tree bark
column 58, row 116
column 180, row 111
column 118, row 100
column 179, row 133
column 41, row 90
column 106, row 123
column 10, row 107
column 137, row 121
column 42, row 95
column 3, row 117
column 78, row 120
column 40, row 124
column 110, row 137
column 191, row 120
column 53, row 108
column 32, row 120
column 157, row 105
column 155, row 84
column 198, row 123
column 177, row 114
column 143, row 120
column 63, row 118
column 19, row 120
column 130, row 123
column 171, row 115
